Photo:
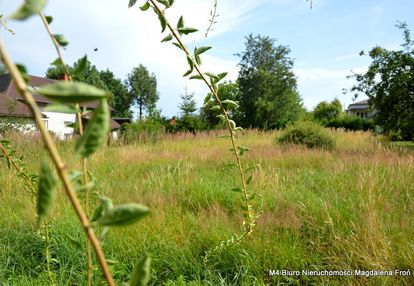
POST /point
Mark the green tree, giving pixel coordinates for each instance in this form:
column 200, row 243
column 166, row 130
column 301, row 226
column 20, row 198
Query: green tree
column 120, row 100
column 188, row 105
column 268, row 91
column 226, row 90
column 142, row 89
column 326, row 111
column 389, row 84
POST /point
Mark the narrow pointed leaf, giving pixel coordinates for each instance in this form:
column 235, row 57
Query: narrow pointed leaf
column 29, row 8
column 95, row 132
column 207, row 98
column 81, row 66
column 123, row 214
column 198, row 59
column 196, row 77
column 142, row 272
column 215, row 108
column 163, row 22
column 180, row 23
column 71, row 92
column 167, row 38
column 166, row 3
column 61, row 40
column 145, row 7
column 132, row 3
column 61, row 108
column 186, row 30
column 46, row 190
column 237, row 190
column 200, row 50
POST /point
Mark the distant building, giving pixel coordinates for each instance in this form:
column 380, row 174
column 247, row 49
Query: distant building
column 12, row 105
column 361, row 109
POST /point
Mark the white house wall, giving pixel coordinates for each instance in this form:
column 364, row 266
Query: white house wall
column 57, row 122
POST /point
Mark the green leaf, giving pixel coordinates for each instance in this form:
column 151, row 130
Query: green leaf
column 95, row 132
column 74, row 242
column 232, row 124
column 211, row 75
column 207, row 98
column 145, row 7
column 230, row 103
column 171, row 2
column 71, row 92
column 142, row 272
column 200, row 50
column 61, row 40
column 57, row 62
column 49, row 19
column 222, row 75
column 180, row 23
column 249, row 180
column 221, row 116
column 61, row 108
column 178, row 45
column 163, row 22
column 166, row 3
column 187, row 72
column 29, row 8
column 167, row 38
column 196, row 77
column 132, row 3
column 198, row 59
column 186, row 30
column 215, row 108
column 97, row 213
column 81, row 66
column 123, row 214
column 46, row 190
column 23, row 71
column 237, row 190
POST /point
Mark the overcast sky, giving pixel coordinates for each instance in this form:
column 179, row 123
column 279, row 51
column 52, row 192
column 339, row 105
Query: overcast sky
column 324, row 41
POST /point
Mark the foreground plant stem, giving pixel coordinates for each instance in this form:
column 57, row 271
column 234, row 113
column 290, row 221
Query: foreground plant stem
column 22, row 88
column 80, row 125
column 250, row 213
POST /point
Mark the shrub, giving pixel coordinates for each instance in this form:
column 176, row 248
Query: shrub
column 307, row 133
column 142, row 131
column 351, row 123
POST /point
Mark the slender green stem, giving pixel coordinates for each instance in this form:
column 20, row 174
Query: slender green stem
column 84, row 166
column 22, row 88
column 250, row 214
column 47, row 254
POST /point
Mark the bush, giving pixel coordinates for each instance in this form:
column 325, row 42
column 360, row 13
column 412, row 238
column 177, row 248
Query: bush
column 306, row 133
column 351, row 123
column 142, row 131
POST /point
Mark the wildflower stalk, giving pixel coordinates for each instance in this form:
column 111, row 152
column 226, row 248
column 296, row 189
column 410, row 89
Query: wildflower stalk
column 250, row 215
column 22, row 88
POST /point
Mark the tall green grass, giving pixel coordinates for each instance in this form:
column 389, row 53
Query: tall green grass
column 349, row 208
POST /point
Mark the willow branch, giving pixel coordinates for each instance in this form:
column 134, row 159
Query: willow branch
column 22, row 88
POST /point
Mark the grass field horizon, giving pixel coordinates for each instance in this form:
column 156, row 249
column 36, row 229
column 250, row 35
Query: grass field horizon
column 350, row 208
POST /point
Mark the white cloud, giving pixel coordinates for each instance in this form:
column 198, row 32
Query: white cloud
column 319, row 84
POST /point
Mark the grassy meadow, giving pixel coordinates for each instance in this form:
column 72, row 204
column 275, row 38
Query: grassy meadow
column 348, row 208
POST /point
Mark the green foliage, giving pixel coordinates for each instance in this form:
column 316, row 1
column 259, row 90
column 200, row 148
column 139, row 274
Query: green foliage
column 84, row 71
column 188, row 104
column 326, row 111
column 227, row 91
column 28, row 9
column 46, row 191
column 268, row 92
column 142, row 89
column 71, row 92
column 149, row 129
column 351, row 123
column 142, row 272
column 123, row 214
column 96, row 131
column 309, row 134
column 389, row 84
